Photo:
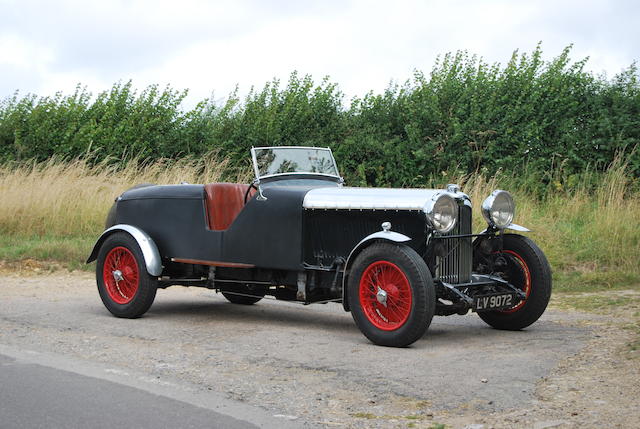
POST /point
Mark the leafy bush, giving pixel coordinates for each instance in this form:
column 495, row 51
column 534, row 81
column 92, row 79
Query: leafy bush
column 464, row 116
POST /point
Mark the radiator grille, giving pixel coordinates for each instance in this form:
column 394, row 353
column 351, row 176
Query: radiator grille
column 455, row 267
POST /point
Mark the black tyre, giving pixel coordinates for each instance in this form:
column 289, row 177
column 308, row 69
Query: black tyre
column 125, row 287
column 527, row 269
column 391, row 294
column 237, row 295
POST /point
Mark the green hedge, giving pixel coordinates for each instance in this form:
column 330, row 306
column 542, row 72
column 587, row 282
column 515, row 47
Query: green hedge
column 464, row 116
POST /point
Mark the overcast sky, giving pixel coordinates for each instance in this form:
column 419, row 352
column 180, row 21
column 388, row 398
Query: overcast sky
column 210, row 46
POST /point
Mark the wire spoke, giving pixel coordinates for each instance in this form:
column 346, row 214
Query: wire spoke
column 388, row 277
column 121, row 290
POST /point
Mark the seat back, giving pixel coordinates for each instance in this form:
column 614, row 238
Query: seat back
column 224, row 201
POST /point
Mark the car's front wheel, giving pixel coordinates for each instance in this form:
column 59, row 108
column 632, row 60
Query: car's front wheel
column 391, row 294
column 525, row 267
column 125, row 286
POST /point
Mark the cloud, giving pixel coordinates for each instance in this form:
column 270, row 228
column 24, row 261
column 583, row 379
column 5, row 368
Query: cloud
column 213, row 45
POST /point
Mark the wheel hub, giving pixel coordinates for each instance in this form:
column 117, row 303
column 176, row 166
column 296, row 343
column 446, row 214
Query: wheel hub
column 117, row 275
column 382, row 296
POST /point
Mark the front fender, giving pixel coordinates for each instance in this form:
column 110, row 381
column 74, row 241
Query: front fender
column 395, row 237
column 512, row 226
column 149, row 249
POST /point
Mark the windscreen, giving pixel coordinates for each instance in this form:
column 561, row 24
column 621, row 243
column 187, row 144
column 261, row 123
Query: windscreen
column 280, row 160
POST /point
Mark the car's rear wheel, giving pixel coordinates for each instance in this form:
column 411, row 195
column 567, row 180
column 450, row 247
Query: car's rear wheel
column 526, row 268
column 391, row 294
column 246, row 294
column 125, row 286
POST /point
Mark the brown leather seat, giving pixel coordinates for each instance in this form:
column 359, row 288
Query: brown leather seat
column 224, row 201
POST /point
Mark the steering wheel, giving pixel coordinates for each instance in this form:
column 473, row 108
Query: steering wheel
column 246, row 194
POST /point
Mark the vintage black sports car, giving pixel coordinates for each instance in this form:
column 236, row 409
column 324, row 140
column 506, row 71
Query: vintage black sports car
column 393, row 257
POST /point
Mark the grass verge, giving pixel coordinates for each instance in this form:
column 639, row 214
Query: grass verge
column 588, row 227
column 621, row 308
column 46, row 252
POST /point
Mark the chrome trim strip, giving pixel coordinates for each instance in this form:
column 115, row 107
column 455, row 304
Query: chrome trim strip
column 298, row 173
column 254, row 161
column 291, row 147
column 515, row 227
column 149, row 249
column 512, row 226
column 212, row 263
column 349, row 198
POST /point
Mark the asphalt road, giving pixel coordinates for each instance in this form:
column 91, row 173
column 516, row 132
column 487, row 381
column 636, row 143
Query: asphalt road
column 271, row 364
column 37, row 396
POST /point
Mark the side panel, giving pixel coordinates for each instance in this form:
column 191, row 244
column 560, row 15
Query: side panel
column 176, row 225
column 268, row 233
column 334, row 233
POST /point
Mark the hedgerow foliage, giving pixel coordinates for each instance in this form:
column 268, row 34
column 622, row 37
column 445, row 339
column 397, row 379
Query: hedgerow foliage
column 464, row 116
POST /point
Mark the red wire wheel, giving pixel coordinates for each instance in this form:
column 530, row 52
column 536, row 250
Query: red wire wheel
column 526, row 279
column 385, row 295
column 121, row 275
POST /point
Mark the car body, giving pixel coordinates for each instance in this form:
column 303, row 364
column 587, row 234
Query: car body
column 393, row 257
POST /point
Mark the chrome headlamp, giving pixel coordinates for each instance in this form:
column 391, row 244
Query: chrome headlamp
column 498, row 209
column 442, row 213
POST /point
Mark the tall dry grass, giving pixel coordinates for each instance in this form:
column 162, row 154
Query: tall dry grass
column 590, row 233
column 72, row 198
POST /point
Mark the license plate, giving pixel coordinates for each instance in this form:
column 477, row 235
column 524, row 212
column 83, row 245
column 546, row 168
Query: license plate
column 494, row 302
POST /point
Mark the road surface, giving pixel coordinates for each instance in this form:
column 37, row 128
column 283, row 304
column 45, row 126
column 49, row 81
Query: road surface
column 275, row 363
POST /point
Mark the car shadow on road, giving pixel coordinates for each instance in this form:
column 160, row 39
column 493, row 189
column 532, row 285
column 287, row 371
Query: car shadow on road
column 322, row 319
column 270, row 312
